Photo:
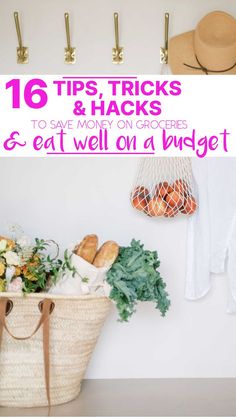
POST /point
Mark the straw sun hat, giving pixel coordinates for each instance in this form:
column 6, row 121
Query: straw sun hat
column 209, row 49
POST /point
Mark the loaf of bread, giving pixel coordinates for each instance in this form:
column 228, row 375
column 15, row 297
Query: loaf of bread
column 106, row 255
column 87, row 249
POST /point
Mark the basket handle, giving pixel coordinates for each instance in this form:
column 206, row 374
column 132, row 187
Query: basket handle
column 46, row 306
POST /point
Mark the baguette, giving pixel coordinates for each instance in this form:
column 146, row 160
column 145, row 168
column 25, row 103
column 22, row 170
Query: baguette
column 106, row 255
column 87, row 249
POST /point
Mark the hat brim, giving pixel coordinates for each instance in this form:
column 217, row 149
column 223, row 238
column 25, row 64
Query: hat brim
column 181, row 51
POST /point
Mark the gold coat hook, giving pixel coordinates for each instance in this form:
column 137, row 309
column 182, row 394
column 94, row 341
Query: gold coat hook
column 117, row 52
column 164, row 50
column 22, row 52
column 70, row 57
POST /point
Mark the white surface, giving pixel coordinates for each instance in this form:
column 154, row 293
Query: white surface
column 197, row 338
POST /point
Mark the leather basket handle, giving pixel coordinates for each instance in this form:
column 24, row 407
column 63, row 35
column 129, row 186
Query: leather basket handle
column 46, row 307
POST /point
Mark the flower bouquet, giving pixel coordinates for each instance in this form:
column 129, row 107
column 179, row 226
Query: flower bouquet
column 26, row 266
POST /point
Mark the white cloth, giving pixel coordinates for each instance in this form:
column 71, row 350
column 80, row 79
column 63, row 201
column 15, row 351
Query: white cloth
column 211, row 241
column 87, row 280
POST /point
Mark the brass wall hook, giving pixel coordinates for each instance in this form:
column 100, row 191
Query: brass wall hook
column 70, row 57
column 117, row 52
column 164, row 50
column 22, row 52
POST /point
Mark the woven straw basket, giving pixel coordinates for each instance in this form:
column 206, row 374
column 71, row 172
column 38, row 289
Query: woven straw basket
column 48, row 366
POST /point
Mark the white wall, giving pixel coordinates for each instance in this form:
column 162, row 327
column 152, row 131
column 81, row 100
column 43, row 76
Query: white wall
column 141, row 32
column 68, row 198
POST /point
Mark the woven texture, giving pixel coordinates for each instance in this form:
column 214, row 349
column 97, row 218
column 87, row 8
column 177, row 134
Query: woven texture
column 75, row 325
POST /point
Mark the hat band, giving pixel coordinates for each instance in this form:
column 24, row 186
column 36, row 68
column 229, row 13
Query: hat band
column 206, row 70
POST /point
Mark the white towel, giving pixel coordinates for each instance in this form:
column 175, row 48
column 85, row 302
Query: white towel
column 211, row 241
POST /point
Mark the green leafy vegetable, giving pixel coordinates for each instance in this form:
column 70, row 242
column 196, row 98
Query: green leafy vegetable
column 134, row 277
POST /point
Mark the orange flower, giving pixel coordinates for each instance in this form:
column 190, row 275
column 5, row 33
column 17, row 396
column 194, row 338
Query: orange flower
column 2, row 268
column 17, row 271
column 35, row 260
column 10, row 243
column 27, row 274
column 24, row 269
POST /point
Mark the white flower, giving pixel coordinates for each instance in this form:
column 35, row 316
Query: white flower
column 25, row 254
column 16, row 229
column 9, row 273
column 24, row 241
column 47, row 266
column 12, row 258
column 3, row 245
column 16, row 285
